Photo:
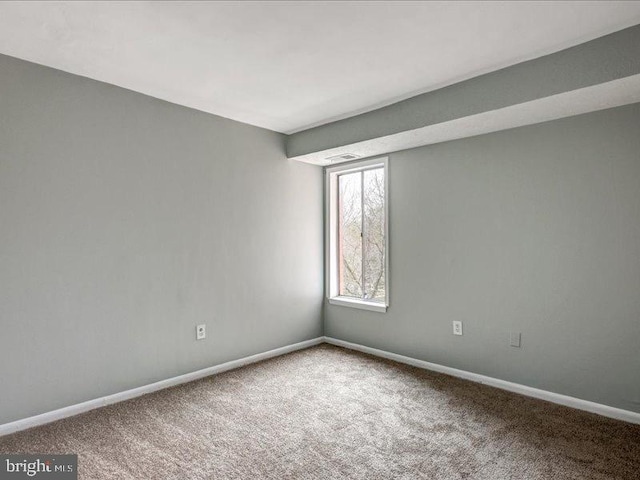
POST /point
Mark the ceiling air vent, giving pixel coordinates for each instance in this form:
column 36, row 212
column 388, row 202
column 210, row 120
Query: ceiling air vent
column 345, row 157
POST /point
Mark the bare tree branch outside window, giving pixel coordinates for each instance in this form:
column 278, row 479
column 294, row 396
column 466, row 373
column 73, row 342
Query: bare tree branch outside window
column 361, row 242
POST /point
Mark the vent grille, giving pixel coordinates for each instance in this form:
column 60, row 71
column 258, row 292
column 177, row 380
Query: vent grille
column 345, row 157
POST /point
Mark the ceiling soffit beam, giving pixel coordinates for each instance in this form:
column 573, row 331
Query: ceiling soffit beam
column 595, row 75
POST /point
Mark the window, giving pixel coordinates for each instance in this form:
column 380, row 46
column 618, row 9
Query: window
column 357, row 238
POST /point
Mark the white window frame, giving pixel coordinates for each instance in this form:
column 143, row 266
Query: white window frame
column 331, row 233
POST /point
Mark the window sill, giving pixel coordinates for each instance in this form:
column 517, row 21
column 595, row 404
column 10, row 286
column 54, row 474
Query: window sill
column 361, row 304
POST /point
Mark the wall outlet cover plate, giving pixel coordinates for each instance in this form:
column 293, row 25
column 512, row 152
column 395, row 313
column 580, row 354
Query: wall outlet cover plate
column 201, row 332
column 457, row 328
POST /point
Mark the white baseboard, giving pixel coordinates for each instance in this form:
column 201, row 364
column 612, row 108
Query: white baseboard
column 604, row 410
column 83, row 407
column 72, row 410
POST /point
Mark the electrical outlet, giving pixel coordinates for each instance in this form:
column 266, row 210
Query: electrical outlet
column 201, row 332
column 457, row 328
column 514, row 340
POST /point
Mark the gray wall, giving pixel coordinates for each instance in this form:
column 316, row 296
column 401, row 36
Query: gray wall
column 124, row 222
column 535, row 230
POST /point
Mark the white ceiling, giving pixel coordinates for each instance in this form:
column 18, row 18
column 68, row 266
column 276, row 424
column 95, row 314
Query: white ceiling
column 290, row 65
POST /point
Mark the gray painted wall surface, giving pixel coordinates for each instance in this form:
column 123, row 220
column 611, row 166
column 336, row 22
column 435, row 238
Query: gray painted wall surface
column 124, row 222
column 601, row 60
column 535, row 230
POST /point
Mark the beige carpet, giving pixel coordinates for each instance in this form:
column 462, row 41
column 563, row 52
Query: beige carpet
column 329, row 413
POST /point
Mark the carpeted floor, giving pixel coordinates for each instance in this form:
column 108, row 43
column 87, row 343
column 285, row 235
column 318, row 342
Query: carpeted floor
column 329, row 413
